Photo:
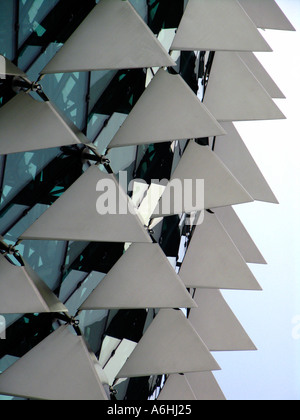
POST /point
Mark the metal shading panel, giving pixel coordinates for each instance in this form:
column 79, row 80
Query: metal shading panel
column 266, row 14
column 74, row 215
column 28, row 124
column 213, row 261
column 234, row 94
column 217, row 25
column 168, row 110
column 142, row 278
column 113, row 36
column 221, row 188
column 22, row 291
column 60, row 368
column 170, row 345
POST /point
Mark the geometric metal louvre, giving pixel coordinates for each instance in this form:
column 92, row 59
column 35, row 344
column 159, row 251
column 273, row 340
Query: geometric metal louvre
column 103, row 294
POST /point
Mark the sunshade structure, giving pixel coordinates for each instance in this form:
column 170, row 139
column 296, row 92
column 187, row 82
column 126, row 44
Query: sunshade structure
column 205, row 387
column 143, row 278
column 235, row 155
column 154, row 89
column 177, row 388
column 234, row 94
column 213, row 261
column 7, row 68
column 23, row 292
column 239, row 234
column 28, row 124
column 261, row 74
column 220, row 187
column 60, row 368
column 217, row 25
column 267, row 14
column 86, row 224
column 217, row 325
column 170, row 345
column 157, row 117
column 113, row 36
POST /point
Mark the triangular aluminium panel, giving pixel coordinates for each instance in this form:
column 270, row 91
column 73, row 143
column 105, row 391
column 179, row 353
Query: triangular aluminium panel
column 23, row 292
column 220, row 187
column 60, row 368
column 75, row 217
column 28, row 124
column 177, row 388
column 234, row 94
column 217, row 25
column 170, row 345
column 240, row 236
column 217, row 325
column 261, row 75
column 212, row 260
column 142, row 278
column 168, row 110
column 266, row 14
column 205, row 386
column 236, row 156
column 113, row 36
column 7, row 68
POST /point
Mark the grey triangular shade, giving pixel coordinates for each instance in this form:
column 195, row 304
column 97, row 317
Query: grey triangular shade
column 27, row 125
column 167, row 110
column 238, row 233
column 205, row 386
column 74, row 215
column 7, row 68
column 177, row 388
column 60, row 368
column 113, row 36
column 142, row 278
column 212, row 260
column 220, row 187
column 235, row 155
column 266, row 14
column 217, row 25
column 216, row 323
column 234, row 94
column 22, row 291
column 261, row 74
column 170, row 345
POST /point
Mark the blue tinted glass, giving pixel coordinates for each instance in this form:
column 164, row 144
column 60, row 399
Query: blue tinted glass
column 32, row 12
column 7, row 32
column 21, row 168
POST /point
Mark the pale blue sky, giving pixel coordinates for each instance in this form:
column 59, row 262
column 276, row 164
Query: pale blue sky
column 273, row 372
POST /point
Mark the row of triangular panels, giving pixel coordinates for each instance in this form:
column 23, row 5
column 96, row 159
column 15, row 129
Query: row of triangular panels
column 81, row 376
column 86, row 224
column 118, row 38
column 60, row 368
column 200, row 386
column 33, row 125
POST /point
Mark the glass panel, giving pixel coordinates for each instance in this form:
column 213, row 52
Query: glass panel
column 32, row 12
column 21, row 168
column 69, row 93
column 7, row 32
column 162, row 16
column 122, row 93
column 45, row 257
column 141, row 7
